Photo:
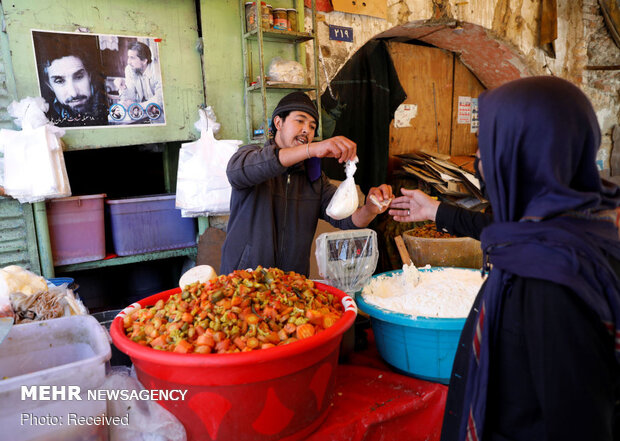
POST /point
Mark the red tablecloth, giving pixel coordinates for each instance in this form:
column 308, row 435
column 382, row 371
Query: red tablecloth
column 373, row 403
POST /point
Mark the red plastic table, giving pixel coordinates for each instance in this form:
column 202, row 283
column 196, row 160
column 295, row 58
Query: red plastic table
column 372, row 403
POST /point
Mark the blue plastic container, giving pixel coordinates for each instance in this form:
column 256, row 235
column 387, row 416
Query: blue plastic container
column 57, row 281
column 422, row 347
column 146, row 224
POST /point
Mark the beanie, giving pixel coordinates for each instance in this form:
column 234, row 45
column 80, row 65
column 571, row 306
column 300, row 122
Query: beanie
column 295, row 101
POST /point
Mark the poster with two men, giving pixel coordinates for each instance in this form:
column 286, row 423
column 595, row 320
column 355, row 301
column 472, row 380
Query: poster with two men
column 95, row 80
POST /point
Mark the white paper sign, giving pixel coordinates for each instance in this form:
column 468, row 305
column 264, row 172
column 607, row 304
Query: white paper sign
column 404, row 114
column 464, row 115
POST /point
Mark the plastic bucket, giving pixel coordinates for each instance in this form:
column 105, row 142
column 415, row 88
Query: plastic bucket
column 105, row 319
column 423, row 347
column 283, row 392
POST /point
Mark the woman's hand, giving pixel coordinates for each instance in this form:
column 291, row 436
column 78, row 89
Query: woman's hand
column 413, row 206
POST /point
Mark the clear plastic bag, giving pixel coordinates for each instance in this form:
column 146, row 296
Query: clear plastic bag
column 284, row 71
column 146, row 420
column 202, row 185
column 345, row 200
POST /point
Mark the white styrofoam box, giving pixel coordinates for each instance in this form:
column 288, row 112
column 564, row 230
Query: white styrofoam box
column 68, row 351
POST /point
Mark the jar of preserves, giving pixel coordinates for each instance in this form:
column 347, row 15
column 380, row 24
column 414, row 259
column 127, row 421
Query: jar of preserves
column 267, row 17
column 270, row 16
column 280, row 19
column 291, row 15
column 250, row 16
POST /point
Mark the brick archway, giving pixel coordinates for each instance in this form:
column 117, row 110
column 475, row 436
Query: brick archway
column 492, row 61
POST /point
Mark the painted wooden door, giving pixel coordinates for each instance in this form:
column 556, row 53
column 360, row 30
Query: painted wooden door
column 435, row 82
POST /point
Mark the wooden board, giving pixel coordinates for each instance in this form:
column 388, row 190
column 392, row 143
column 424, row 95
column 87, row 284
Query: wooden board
column 463, row 141
column 374, row 8
column 180, row 61
column 426, row 75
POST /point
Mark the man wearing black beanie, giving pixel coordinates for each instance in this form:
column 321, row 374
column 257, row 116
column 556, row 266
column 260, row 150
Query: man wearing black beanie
column 279, row 192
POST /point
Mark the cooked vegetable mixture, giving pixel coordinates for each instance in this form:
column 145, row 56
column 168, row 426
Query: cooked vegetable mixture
column 429, row 230
column 239, row 312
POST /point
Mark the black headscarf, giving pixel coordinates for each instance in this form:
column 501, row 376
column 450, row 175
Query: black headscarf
column 554, row 218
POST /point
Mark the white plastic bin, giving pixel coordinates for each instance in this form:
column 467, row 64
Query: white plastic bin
column 68, row 351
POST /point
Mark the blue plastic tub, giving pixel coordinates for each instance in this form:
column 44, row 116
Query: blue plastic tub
column 146, row 224
column 422, row 347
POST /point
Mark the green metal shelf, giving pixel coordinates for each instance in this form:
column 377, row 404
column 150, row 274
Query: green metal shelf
column 123, row 260
column 259, row 36
column 280, row 36
column 295, row 86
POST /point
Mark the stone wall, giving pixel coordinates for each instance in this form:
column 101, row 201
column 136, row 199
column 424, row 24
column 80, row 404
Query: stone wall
column 582, row 47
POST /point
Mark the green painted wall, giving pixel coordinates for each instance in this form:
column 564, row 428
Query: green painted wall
column 175, row 22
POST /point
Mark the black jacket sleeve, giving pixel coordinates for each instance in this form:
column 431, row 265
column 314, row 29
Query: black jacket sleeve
column 461, row 221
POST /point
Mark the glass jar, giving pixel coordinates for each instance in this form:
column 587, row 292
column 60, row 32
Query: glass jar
column 267, row 17
column 291, row 14
column 270, row 16
column 280, row 19
column 250, row 16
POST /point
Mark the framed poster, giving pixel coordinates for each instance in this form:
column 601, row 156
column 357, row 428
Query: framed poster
column 99, row 80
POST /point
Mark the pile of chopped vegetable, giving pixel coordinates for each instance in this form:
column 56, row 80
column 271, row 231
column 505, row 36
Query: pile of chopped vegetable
column 429, row 230
column 239, row 312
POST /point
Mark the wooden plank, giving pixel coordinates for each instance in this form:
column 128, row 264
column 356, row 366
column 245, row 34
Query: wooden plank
column 402, row 250
column 463, row 142
column 180, row 61
column 426, row 75
column 374, row 8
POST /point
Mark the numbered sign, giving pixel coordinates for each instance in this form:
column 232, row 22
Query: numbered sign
column 340, row 33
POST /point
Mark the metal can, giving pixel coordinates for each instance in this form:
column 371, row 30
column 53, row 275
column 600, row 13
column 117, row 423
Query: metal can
column 280, row 19
column 250, row 16
column 270, row 16
column 291, row 14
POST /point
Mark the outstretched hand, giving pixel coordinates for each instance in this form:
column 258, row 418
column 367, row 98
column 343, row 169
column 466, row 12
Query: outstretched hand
column 382, row 195
column 413, row 206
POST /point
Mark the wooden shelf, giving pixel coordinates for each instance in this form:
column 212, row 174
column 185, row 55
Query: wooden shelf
column 123, row 260
column 280, row 36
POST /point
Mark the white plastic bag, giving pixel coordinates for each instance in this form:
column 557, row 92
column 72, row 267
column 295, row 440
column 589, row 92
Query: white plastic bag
column 202, row 185
column 34, row 164
column 345, row 200
column 284, row 71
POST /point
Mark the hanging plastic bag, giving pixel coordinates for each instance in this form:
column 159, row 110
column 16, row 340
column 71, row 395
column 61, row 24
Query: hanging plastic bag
column 34, row 165
column 345, row 200
column 202, row 185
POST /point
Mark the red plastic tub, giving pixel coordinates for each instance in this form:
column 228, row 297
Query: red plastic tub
column 281, row 393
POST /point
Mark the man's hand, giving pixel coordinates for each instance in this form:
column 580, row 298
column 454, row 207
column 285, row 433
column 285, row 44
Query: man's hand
column 338, row 147
column 365, row 214
column 414, row 206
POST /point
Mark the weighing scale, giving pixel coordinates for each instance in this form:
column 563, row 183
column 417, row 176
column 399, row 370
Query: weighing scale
column 347, row 259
